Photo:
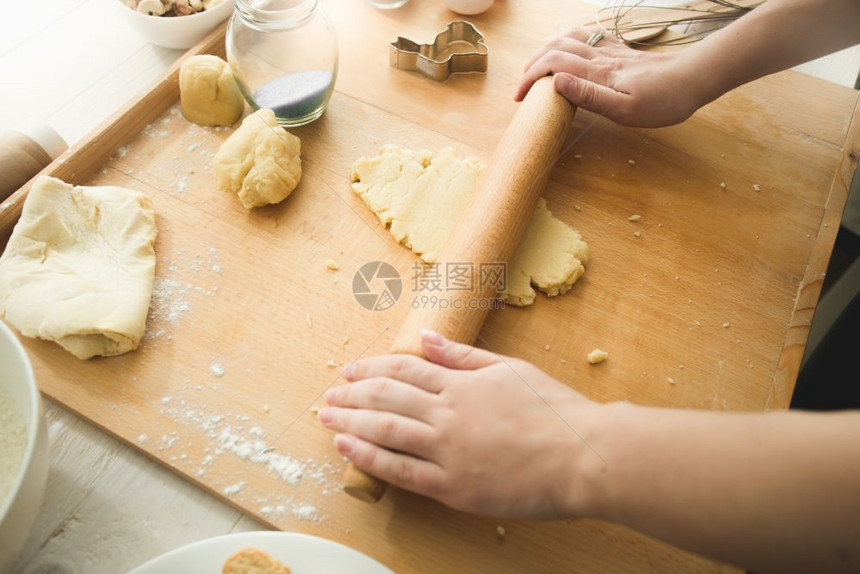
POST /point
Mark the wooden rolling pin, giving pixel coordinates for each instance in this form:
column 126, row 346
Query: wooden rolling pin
column 488, row 232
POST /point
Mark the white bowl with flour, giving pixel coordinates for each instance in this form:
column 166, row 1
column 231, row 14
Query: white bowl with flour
column 23, row 448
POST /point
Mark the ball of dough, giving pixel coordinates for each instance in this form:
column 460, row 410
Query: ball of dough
column 260, row 161
column 208, row 93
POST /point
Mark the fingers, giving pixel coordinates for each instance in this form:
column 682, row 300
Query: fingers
column 570, row 53
column 401, row 470
column 407, row 368
column 561, row 44
column 455, row 355
column 591, row 96
column 552, row 62
column 383, row 394
column 384, row 429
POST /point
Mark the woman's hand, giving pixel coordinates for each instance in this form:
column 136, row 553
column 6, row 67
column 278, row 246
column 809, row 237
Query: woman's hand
column 630, row 87
column 480, row 432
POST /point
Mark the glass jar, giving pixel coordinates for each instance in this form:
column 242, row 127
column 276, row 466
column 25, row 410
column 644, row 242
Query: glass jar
column 283, row 54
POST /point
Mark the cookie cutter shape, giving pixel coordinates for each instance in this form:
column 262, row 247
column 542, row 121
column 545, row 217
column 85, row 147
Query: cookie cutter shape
column 459, row 48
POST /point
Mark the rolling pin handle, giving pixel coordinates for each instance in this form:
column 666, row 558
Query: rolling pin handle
column 363, row 486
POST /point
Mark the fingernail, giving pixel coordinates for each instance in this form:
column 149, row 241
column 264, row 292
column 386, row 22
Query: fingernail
column 433, row 338
column 325, row 416
column 344, row 443
column 349, row 372
column 331, row 395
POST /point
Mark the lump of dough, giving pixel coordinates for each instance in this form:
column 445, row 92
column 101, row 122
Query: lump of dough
column 260, row 161
column 208, row 94
column 79, row 267
column 421, row 196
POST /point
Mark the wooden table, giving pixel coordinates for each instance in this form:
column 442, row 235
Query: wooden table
column 708, row 257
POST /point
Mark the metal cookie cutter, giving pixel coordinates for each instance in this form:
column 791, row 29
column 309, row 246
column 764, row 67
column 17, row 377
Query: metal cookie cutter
column 459, row 48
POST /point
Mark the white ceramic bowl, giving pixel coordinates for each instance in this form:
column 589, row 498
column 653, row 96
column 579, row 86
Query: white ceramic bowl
column 19, row 511
column 180, row 32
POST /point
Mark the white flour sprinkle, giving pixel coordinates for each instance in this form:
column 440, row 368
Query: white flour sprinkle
column 234, row 488
column 306, row 512
column 217, row 369
column 142, row 439
column 172, row 299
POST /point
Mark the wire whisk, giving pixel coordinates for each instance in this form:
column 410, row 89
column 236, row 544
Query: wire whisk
column 640, row 24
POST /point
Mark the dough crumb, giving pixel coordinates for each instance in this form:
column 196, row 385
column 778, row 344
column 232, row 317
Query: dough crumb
column 345, row 340
column 723, row 185
column 331, row 363
column 332, row 264
column 634, row 217
column 756, row 187
column 309, row 321
column 670, row 380
column 547, row 348
column 726, row 324
column 597, row 356
column 637, row 234
column 500, row 531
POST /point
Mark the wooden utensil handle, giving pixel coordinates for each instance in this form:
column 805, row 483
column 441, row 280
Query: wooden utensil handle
column 487, row 234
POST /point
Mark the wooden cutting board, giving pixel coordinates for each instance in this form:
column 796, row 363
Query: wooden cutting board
column 716, row 293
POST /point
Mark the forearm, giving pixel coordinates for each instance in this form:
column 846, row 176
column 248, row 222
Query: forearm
column 775, row 36
column 776, row 491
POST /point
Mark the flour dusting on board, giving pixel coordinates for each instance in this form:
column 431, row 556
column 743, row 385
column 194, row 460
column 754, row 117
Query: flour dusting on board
column 172, row 294
column 197, row 433
column 234, row 435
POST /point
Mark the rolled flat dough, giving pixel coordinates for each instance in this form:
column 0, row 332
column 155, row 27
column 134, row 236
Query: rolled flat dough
column 79, row 267
column 421, row 196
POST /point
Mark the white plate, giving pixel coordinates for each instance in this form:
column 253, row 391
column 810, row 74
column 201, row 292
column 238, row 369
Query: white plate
column 301, row 553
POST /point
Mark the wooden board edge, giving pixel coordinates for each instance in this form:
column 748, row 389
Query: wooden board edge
column 89, row 154
column 809, row 290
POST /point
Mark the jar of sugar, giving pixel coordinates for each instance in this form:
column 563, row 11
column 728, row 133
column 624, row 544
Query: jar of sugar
column 283, row 54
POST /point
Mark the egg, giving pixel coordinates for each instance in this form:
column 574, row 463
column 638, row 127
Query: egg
column 468, row 7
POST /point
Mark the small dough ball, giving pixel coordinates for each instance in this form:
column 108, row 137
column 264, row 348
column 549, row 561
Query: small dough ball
column 260, row 161
column 208, row 93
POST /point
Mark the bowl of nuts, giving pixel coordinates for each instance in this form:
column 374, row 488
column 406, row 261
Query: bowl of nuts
column 175, row 24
